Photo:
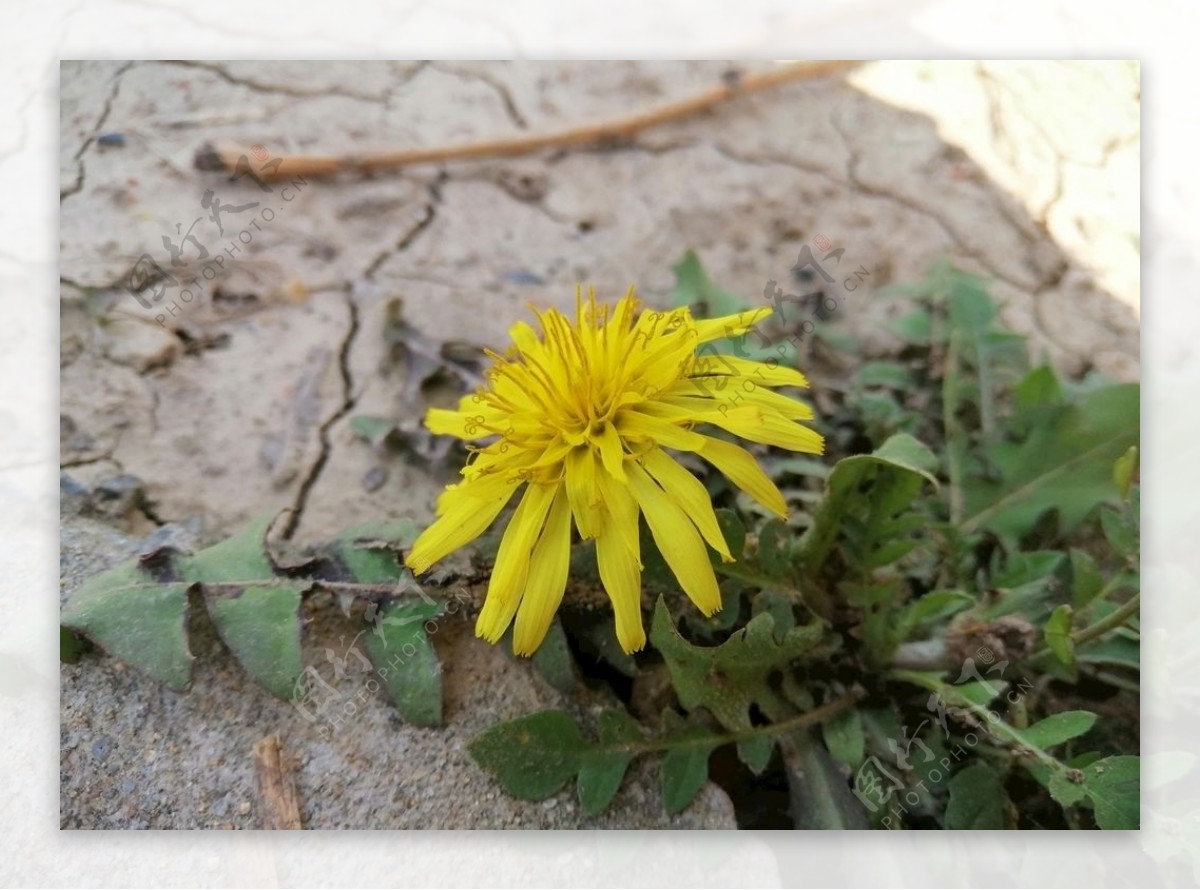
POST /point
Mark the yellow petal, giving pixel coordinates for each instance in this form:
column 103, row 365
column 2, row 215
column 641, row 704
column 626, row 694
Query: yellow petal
column 612, row 452
column 762, row 373
column 621, row 513
column 463, row 520
column 748, row 421
column 677, row 540
column 688, row 492
column 512, row 562
column 655, row 429
column 730, row 325
column 740, row 467
column 622, row 579
column 772, row 429
column 442, row 422
column 485, row 483
column 582, row 491
column 525, row 338
column 547, row 578
column 695, row 395
column 497, row 614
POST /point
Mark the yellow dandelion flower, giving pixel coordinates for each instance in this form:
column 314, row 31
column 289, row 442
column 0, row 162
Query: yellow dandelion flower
column 583, row 415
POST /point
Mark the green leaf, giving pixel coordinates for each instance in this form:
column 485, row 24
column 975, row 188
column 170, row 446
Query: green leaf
column 1113, row 649
column 864, row 496
column 937, row 605
column 406, row 661
column 553, row 659
column 904, row 451
column 779, row 607
column 1039, row 387
column 70, row 646
column 694, row 287
column 971, row 310
column 1026, row 582
column 889, row 374
column 977, row 800
column 1063, row 463
column 977, row 692
column 797, row 466
column 684, row 771
column 731, row 678
column 241, row 558
column 1059, row 728
column 375, row 430
column 261, row 626
column 1058, row 635
column 1066, row 785
column 602, row 770
column 532, row 757
column 1113, row 785
column 1029, row 567
column 1120, row 530
column 844, row 737
column 135, row 619
column 370, row 551
column 775, row 549
column 756, row 753
column 535, row 756
column 915, row 327
column 820, row 797
column 1086, row 582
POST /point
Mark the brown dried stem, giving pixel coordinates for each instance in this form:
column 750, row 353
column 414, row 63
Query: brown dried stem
column 611, row 131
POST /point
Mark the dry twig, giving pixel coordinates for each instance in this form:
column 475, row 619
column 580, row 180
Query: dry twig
column 228, row 158
column 278, row 802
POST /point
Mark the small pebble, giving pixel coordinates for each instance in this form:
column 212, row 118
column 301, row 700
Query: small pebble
column 102, row 747
column 374, row 478
column 521, row 276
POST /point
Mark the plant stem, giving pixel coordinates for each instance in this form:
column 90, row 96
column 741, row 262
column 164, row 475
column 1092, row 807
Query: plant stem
column 363, row 591
column 1109, row 622
column 800, row 721
column 951, row 432
column 1000, row 730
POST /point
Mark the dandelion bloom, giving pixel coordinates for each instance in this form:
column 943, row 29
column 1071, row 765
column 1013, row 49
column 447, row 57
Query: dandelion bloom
column 582, row 414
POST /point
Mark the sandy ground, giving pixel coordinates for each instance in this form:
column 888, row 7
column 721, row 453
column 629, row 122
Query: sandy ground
column 241, row 401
